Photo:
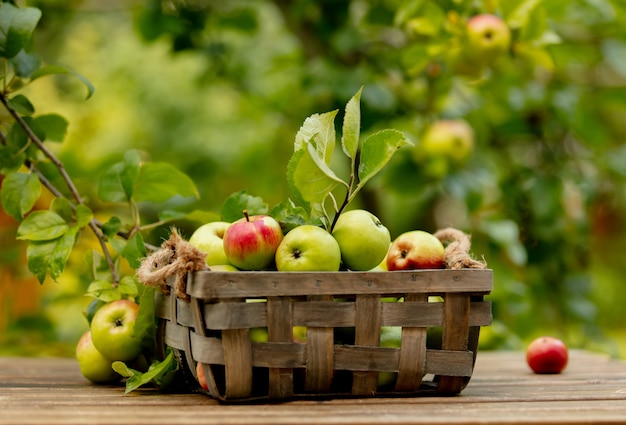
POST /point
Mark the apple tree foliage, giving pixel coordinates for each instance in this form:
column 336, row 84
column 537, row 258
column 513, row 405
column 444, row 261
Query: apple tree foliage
column 543, row 189
column 542, row 194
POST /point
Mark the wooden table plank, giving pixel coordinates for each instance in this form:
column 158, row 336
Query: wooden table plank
column 502, row 390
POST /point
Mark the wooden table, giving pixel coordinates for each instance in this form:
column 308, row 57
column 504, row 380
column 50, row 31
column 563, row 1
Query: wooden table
column 502, row 390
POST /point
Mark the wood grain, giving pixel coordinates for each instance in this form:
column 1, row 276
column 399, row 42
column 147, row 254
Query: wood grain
column 502, row 390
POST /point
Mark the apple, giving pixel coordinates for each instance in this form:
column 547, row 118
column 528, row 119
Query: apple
column 450, row 139
column 113, row 330
column 223, row 268
column 308, row 248
column 93, row 365
column 415, row 249
column 250, row 243
column 547, row 354
column 208, row 238
column 362, row 238
column 201, row 377
column 487, row 37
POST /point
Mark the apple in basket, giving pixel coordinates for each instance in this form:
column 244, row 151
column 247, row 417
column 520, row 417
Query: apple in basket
column 362, row 238
column 308, row 248
column 415, row 249
column 250, row 243
column 209, row 238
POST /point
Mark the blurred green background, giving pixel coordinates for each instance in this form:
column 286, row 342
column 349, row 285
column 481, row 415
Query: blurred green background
column 220, row 88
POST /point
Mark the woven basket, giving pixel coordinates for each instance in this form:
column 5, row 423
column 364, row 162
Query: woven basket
column 440, row 313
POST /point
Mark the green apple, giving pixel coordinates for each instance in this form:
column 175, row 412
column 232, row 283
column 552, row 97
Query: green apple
column 452, row 139
column 113, row 330
column 223, row 268
column 209, row 238
column 93, row 365
column 250, row 243
column 362, row 238
column 308, row 248
column 415, row 249
column 488, row 37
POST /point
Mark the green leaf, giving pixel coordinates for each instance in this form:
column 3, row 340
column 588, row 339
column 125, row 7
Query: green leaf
column 146, row 325
column 11, row 158
column 232, row 209
column 319, row 128
column 128, row 286
column 54, row 126
column 16, row 28
column 59, row 70
column 289, row 215
column 25, row 63
column 158, row 182
column 134, row 250
column 63, row 208
column 313, row 179
column 103, row 290
column 50, row 256
column 519, row 16
column 42, row 226
column 21, row 104
column 61, row 253
column 352, row 126
column 111, row 227
column 157, row 373
column 117, row 183
column 376, row 152
column 19, row 192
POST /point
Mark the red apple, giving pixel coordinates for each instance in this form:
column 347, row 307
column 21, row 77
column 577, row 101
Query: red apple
column 415, row 249
column 547, row 354
column 487, row 37
column 250, row 243
column 201, row 377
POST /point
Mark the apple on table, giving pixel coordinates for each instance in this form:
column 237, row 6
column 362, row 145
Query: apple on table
column 113, row 330
column 93, row 365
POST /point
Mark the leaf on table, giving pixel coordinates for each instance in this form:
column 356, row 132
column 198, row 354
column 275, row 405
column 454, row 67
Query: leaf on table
column 157, row 372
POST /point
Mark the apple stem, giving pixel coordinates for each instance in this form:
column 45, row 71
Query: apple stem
column 245, row 214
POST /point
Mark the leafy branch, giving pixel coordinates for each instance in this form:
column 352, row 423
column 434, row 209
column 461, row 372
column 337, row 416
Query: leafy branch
column 28, row 164
column 309, row 172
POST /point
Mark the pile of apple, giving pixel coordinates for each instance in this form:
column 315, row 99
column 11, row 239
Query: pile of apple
column 357, row 242
column 110, row 338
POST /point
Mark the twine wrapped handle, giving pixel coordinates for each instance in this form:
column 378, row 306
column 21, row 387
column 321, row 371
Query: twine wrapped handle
column 456, row 254
column 176, row 257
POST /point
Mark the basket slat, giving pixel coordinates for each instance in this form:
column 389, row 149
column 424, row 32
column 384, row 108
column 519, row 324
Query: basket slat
column 280, row 329
column 412, row 352
column 367, row 333
column 220, row 285
column 319, row 352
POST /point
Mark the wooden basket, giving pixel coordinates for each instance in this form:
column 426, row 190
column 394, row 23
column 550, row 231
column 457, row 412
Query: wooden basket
column 440, row 313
